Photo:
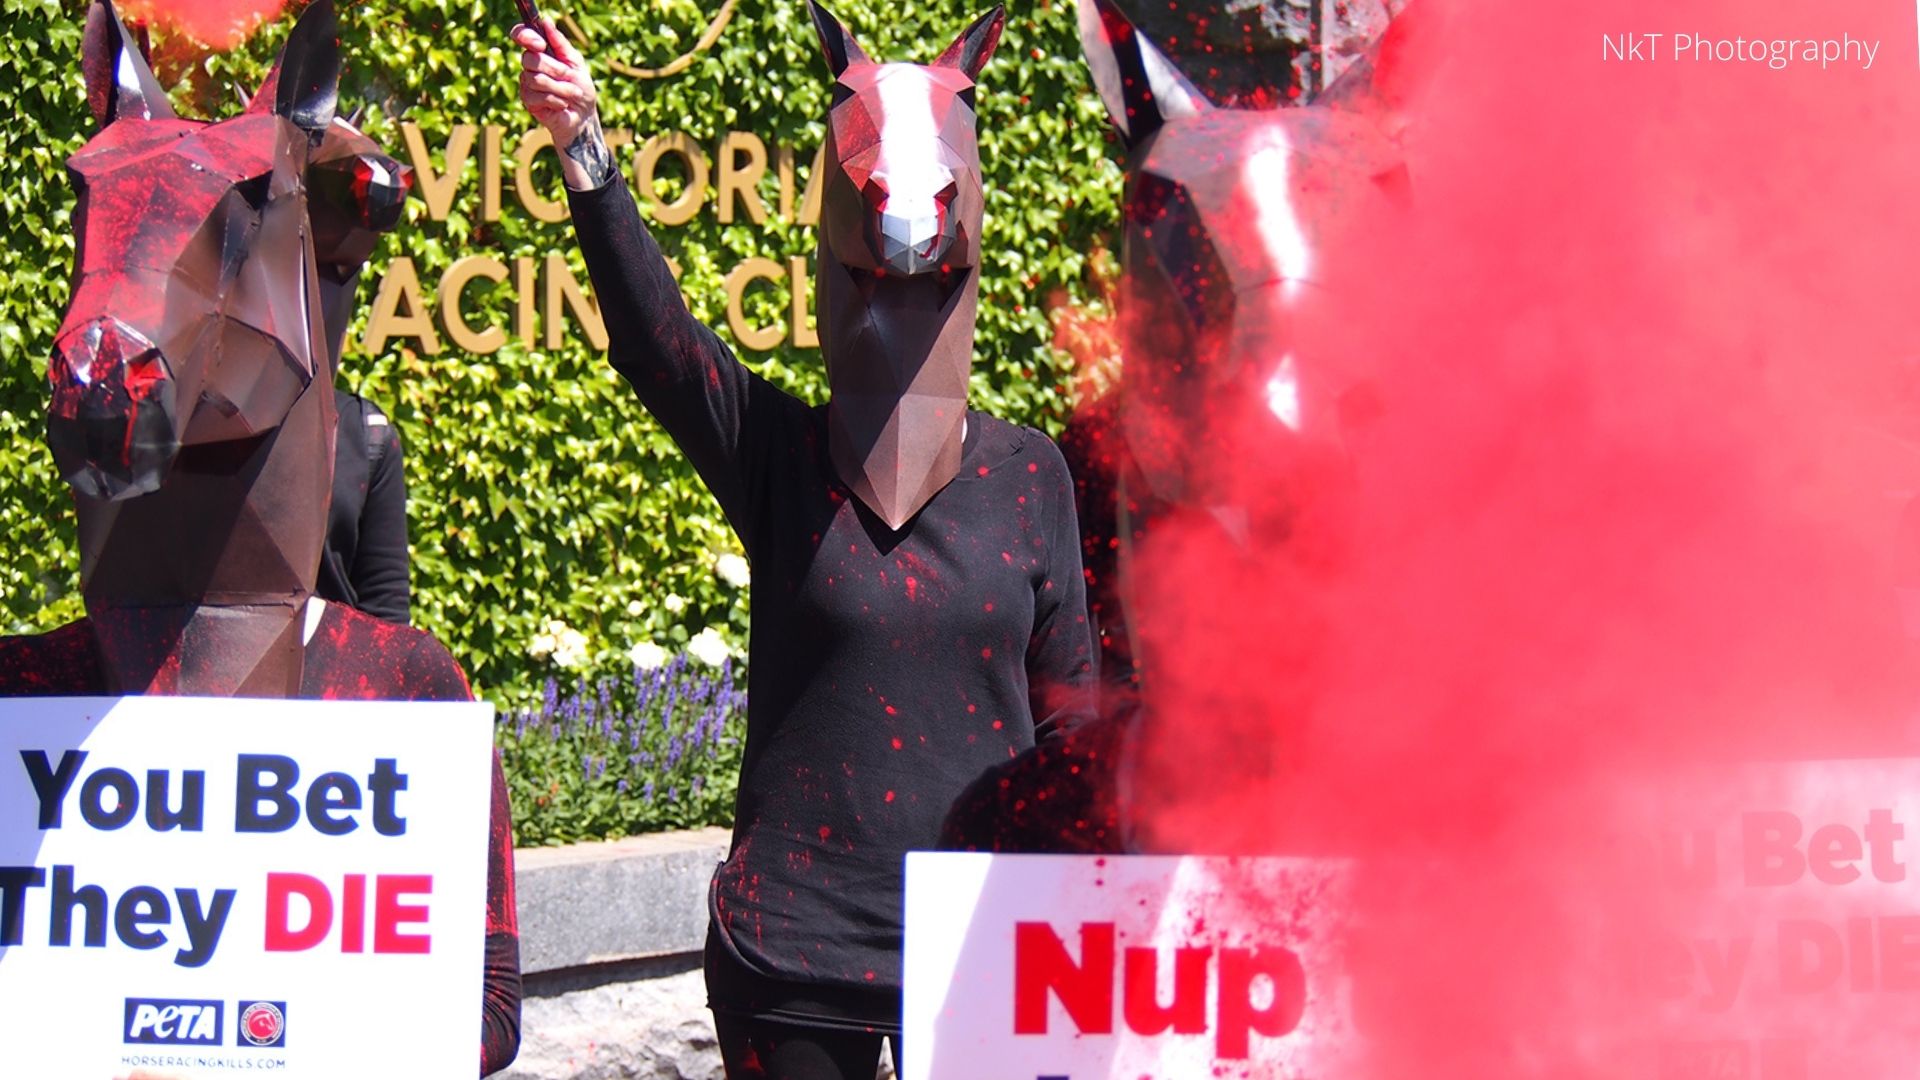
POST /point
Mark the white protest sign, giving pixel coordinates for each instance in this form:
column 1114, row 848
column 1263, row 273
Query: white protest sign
column 1785, row 941
column 233, row 886
column 1041, row 967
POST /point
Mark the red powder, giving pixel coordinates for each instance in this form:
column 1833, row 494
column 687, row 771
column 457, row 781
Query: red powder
column 1640, row 488
column 221, row 24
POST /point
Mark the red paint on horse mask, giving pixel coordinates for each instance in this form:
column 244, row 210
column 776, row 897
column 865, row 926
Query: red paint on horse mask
column 899, row 266
column 191, row 320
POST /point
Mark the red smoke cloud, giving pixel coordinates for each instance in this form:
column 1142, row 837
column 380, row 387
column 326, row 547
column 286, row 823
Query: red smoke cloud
column 1641, row 491
column 220, row 24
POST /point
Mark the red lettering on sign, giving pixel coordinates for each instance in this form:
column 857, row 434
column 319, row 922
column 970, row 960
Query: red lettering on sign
column 1041, row 965
column 281, row 888
column 389, row 914
column 392, row 914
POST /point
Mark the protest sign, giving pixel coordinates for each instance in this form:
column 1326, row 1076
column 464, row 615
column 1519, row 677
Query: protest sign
column 1085, row 968
column 1780, row 935
column 234, row 886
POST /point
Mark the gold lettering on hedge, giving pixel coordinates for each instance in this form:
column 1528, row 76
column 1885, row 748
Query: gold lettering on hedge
column 739, row 180
column 538, row 206
column 757, row 338
column 810, row 202
column 783, row 164
column 523, row 299
column 800, row 284
column 490, row 137
column 681, row 210
column 453, row 287
column 439, row 189
column 400, row 285
column 564, row 293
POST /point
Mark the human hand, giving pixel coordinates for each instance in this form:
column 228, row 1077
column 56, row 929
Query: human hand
column 557, row 89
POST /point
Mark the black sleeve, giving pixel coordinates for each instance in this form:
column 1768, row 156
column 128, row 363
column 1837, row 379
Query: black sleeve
column 1062, row 667
column 432, row 674
column 713, row 407
column 380, row 563
column 500, row 989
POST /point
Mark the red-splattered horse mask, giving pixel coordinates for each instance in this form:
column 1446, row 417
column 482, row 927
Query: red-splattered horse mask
column 194, row 318
column 1232, row 340
column 899, row 277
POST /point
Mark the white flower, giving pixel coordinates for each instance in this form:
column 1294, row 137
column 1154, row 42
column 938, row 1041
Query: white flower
column 547, row 640
column 567, row 646
column 675, row 603
column 733, row 570
column 647, row 655
column 635, row 607
column 709, row 648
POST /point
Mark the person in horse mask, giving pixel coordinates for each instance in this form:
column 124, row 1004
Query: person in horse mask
column 919, row 612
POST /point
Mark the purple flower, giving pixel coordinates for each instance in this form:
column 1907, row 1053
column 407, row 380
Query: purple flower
column 673, row 793
column 646, row 792
column 621, row 787
column 698, row 783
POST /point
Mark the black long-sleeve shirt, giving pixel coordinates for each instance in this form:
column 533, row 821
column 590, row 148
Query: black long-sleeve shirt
column 886, row 670
column 365, row 562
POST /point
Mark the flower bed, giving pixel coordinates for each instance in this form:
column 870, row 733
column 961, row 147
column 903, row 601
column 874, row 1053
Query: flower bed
column 623, row 754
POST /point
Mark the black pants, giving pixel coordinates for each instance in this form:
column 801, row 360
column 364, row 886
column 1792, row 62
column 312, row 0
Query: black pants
column 755, row 1049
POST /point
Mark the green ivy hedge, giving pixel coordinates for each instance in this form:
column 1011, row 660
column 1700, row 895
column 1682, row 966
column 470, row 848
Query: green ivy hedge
column 540, row 489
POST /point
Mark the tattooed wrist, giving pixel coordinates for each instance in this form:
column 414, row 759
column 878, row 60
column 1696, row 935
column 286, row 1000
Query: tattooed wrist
column 589, row 151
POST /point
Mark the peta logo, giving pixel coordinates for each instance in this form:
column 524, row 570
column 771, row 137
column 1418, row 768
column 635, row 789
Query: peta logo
column 156, row 1022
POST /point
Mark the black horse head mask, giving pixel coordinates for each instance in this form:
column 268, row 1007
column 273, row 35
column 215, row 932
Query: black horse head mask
column 899, row 270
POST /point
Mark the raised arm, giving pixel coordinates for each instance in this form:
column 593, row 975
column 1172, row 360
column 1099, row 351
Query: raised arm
column 684, row 375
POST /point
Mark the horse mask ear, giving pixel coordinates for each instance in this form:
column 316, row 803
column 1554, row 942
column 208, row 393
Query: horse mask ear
column 970, row 51
column 119, row 82
column 1140, row 86
column 304, row 84
column 836, row 43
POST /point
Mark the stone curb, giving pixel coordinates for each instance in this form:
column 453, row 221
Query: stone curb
column 617, row 900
